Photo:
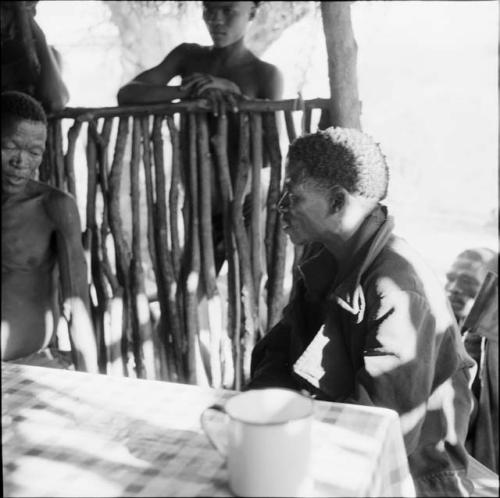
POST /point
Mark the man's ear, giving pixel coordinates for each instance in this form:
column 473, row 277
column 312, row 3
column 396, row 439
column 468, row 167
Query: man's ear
column 337, row 199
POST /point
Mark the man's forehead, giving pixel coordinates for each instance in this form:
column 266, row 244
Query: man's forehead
column 465, row 264
column 26, row 127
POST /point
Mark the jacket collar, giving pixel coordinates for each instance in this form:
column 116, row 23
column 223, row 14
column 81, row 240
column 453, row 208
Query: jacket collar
column 345, row 287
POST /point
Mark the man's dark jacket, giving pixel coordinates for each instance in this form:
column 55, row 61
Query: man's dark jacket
column 378, row 332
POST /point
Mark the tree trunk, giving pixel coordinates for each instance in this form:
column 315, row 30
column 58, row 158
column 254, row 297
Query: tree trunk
column 345, row 108
column 271, row 21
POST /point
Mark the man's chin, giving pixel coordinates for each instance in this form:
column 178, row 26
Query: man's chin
column 295, row 238
column 10, row 189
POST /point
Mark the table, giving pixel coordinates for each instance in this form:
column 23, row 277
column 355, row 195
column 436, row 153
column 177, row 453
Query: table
column 68, row 433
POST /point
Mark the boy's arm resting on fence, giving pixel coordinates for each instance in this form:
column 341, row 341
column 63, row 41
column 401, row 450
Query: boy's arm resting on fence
column 151, row 86
column 73, row 275
column 51, row 90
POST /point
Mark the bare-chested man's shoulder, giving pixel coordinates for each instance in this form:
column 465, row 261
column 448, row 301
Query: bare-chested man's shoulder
column 50, row 197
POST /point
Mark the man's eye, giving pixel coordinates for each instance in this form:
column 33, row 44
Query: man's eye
column 35, row 153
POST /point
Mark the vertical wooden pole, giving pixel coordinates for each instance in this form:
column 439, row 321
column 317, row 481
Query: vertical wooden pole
column 231, row 368
column 166, row 367
column 255, row 226
column 122, row 251
column 341, row 47
column 69, row 158
column 170, row 312
column 247, row 288
column 141, row 324
column 207, row 249
column 193, row 270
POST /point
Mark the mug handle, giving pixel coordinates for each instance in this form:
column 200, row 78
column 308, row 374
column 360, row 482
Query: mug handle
column 215, row 441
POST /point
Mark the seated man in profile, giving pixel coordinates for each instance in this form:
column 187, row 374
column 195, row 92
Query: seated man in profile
column 464, row 279
column 41, row 245
column 367, row 322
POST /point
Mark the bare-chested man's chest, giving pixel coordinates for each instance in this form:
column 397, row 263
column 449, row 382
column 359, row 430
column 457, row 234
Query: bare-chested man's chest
column 242, row 73
column 27, row 237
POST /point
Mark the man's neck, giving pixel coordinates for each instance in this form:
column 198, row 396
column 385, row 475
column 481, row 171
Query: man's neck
column 10, row 198
column 340, row 245
column 340, row 242
column 345, row 239
column 230, row 53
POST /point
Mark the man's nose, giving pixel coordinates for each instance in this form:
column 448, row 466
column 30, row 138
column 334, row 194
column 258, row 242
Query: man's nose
column 217, row 17
column 20, row 159
column 283, row 203
column 452, row 286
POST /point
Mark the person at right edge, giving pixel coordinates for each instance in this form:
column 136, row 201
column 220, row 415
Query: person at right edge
column 367, row 322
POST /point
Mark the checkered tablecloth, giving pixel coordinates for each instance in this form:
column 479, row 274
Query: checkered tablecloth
column 75, row 434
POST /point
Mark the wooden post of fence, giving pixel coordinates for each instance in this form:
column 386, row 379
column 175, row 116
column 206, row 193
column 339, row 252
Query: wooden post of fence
column 112, row 299
column 247, row 289
column 58, row 154
column 170, row 311
column 141, row 329
column 175, row 186
column 231, row 345
column 92, row 241
column 214, row 305
column 256, row 218
column 275, row 238
column 164, row 368
column 192, row 276
column 69, row 158
column 122, row 251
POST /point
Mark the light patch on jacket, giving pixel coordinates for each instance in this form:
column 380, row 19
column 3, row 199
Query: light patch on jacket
column 410, row 420
column 396, row 333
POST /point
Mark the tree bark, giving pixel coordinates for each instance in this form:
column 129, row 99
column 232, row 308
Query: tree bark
column 341, row 47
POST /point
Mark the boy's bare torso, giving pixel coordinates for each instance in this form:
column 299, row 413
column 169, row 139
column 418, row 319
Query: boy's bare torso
column 243, row 68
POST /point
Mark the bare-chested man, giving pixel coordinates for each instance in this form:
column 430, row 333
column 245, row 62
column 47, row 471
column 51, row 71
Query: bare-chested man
column 222, row 73
column 227, row 66
column 41, row 244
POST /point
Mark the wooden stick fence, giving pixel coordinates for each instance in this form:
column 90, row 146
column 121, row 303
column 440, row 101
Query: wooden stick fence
column 181, row 178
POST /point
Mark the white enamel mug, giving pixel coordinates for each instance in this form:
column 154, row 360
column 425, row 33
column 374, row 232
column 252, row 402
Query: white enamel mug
column 267, row 442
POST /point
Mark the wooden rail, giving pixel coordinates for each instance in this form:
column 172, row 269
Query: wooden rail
column 183, row 173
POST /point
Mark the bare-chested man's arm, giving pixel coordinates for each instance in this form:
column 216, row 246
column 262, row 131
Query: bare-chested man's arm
column 51, row 89
column 150, row 87
column 62, row 209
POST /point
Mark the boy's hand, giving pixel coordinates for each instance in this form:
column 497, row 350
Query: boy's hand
column 220, row 101
column 198, row 83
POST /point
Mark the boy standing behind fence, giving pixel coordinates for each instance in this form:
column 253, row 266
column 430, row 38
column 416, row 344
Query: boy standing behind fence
column 222, row 73
column 225, row 71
